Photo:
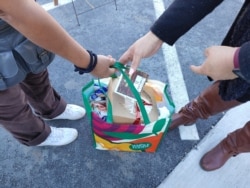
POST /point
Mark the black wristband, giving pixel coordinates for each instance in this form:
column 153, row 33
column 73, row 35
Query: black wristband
column 91, row 66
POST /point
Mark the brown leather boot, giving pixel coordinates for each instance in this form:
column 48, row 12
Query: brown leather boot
column 206, row 104
column 235, row 143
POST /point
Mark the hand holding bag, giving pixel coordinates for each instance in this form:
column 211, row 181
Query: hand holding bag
column 144, row 136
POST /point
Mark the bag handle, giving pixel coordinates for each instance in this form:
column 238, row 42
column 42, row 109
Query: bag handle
column 119, row 66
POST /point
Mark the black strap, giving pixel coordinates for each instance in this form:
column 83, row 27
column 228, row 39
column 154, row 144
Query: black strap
column 91, row 66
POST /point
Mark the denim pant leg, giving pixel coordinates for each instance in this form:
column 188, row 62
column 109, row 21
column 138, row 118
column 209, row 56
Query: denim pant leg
column 46, row 102
column 17, row 117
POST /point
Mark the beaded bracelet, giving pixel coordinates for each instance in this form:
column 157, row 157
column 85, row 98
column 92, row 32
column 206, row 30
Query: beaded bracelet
column 91, row 66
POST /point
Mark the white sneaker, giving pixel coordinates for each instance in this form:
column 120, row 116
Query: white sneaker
column 72, row 112
column 60, row 137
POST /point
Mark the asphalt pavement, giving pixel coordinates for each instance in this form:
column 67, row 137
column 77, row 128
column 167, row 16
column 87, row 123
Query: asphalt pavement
column 109, row 27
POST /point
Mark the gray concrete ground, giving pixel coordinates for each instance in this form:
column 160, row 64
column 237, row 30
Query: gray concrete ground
column 109, row 28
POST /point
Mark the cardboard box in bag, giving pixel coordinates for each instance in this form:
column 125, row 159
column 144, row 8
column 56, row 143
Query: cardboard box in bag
column 123, row 108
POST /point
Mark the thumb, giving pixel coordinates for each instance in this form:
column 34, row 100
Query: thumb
column 196, row 69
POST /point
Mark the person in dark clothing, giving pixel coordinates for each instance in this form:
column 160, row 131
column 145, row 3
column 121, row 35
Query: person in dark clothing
column 228, row 65
column 29, row 37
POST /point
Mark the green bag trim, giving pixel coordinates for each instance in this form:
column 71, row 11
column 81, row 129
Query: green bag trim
column 86, row 91
column 169, row 102
column 85, row 96
column 159, row 124
column 124, row 135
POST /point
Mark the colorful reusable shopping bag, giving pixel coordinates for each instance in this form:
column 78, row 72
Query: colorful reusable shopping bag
column 136, row 136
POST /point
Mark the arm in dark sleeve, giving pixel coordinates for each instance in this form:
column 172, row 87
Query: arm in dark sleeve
column 244, row 60
column 180, row 17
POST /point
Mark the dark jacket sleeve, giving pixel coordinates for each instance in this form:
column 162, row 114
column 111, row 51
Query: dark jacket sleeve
column 244, row 60
column 181, row 16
